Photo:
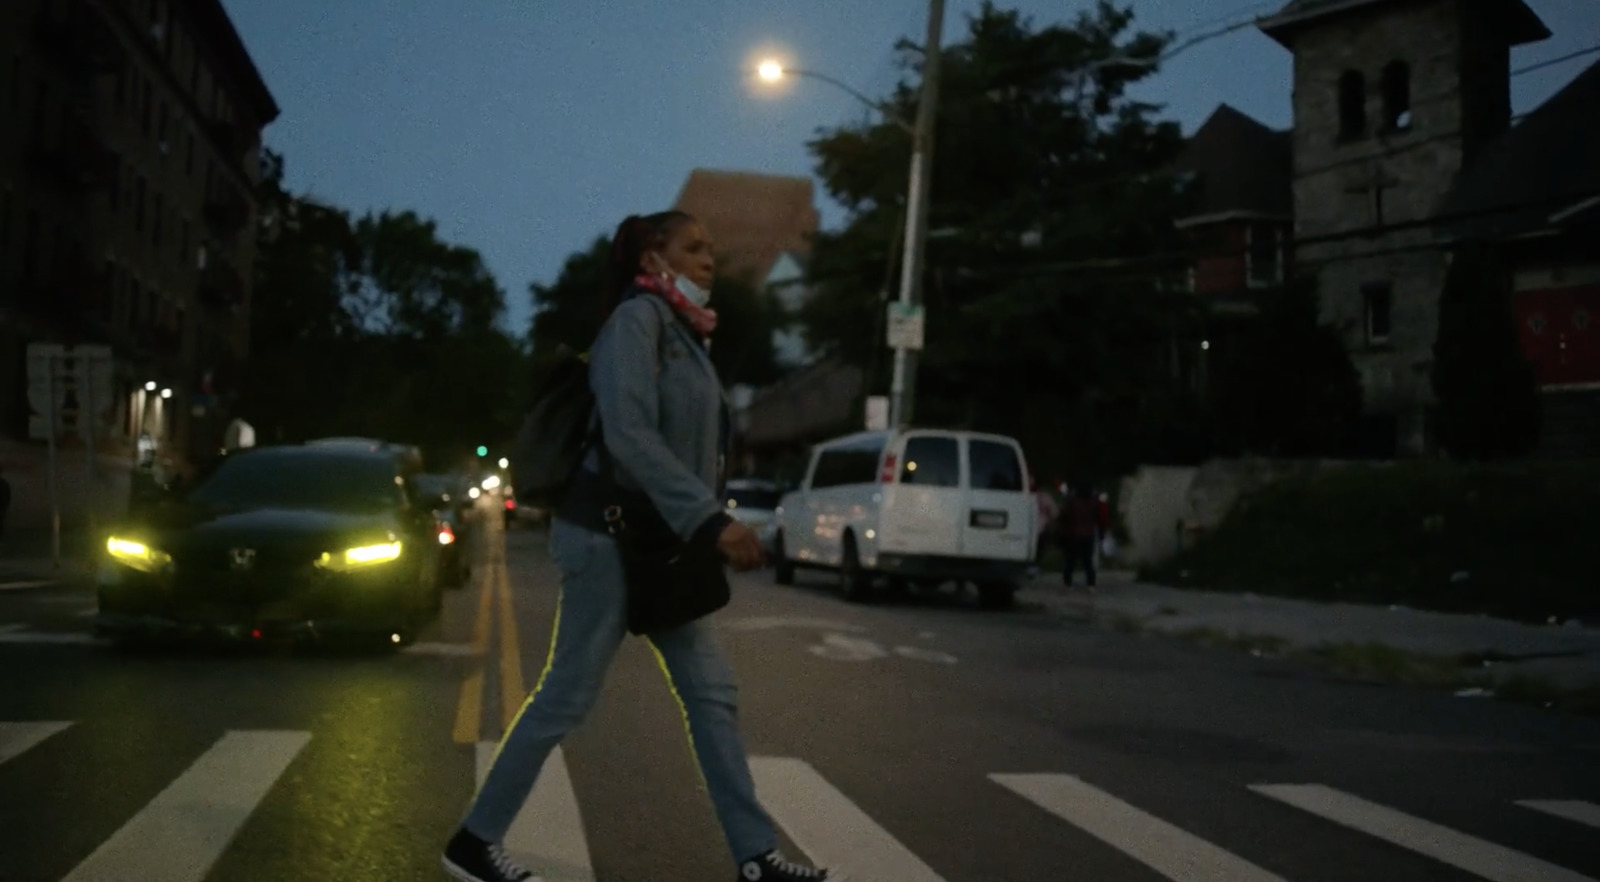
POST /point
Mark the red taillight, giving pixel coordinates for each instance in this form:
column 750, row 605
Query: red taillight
column 446, row 535
column 255, row 633
column 889, row 463
column 511, row 504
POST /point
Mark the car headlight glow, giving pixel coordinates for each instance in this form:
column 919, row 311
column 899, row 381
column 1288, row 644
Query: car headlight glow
column 137, row 555
column 362, row 556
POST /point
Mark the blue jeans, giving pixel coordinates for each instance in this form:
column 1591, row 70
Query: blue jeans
column 590, row 624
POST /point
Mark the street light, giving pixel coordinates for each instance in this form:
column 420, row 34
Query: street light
column 505, row 463
column 166, row 393
column 902, row 387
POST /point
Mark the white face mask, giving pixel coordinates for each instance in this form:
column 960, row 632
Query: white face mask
column 686, row 286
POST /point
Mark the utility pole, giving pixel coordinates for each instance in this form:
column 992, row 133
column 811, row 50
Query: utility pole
column 902, row 390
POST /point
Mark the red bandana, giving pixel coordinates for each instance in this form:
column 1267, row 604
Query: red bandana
column 702, row 319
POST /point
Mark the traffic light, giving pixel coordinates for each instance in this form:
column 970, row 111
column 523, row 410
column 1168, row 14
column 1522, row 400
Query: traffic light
column 483, row 451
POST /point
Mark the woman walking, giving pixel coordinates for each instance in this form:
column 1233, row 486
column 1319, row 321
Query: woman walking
column 665, row 428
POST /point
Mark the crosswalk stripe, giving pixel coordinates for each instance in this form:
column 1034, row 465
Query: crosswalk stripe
column 18, row 738
column 828, row 827
column 548, row 831
column 1170, row 851
column 1571, row 809
column 182, row 832
column 1479, row 857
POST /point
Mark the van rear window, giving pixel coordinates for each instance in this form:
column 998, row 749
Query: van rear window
column 994, row 466
column 932, row 462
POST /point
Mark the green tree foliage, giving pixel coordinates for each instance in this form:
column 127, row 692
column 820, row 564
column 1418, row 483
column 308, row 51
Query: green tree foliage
column 1488, row 394
column 567, row 311
column 373, row 326
column 1043, row 167
column 1281, row 383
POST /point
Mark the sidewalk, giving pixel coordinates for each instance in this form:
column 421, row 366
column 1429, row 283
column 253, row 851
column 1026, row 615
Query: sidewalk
column 25, row 558
column 1479, row 649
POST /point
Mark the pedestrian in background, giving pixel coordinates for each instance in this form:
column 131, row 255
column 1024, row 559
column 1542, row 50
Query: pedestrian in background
column 666, row 431
column 1082, row 524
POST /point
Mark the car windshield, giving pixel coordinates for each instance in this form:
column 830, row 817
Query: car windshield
column 752, row 498
column 299, row 480
column 435, row 486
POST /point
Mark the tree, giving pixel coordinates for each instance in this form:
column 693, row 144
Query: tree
column 1041, row 164
column 1488, row 394
column 374, row 326
column 1282, row 383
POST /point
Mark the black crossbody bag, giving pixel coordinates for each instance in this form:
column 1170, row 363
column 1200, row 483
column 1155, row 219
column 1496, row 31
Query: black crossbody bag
column 670, row 582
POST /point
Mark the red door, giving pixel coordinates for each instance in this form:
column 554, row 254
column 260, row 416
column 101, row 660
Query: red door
column 1558, row 333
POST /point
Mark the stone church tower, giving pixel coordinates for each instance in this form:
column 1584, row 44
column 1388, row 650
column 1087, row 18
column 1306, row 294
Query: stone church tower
column 1392, row 98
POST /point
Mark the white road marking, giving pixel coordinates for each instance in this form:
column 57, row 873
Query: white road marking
column 441, row 649
column 1571, row 809
column 182, row 832
column 927, row 655
column 828, row 827
column 839, row 647
column 22, row 586
column 18, row 738
column 1477, row 856
column 548, row 831
column 1174, row 853
column 768, row 623
column 46, row 637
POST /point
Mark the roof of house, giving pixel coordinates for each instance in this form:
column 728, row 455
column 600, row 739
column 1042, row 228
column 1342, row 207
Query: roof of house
column 1514, row 20
column 1242, row 167
column 1536, row 175
column 753, row 218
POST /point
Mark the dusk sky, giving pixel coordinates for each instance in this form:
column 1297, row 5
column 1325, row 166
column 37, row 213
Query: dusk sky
column 526, row 128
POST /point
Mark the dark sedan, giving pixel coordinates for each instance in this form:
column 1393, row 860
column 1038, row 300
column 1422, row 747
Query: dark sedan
column 278, row 542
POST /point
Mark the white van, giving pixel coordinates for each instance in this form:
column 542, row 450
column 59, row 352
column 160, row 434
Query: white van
column 923, row 506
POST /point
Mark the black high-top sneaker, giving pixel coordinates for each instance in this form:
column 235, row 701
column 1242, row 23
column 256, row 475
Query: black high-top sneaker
column 471, row 859
column 773, row 867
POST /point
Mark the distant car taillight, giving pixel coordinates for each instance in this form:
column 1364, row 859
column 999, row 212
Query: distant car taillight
column 511, row 504
column 446, row 535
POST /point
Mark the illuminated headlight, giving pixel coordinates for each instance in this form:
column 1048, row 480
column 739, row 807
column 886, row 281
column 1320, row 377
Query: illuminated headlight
column 491, row 482
column 363, row 556
column 474, row 492
column 137, row 555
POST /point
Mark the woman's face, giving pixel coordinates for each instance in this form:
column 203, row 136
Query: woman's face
column 688, row 251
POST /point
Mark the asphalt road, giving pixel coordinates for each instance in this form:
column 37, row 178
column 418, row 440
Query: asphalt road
column 914, row 739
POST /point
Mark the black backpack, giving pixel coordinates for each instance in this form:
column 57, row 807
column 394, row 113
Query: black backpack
column 554, row 437
column 558, row 431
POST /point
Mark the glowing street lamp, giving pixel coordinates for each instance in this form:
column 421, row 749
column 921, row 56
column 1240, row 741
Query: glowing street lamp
column 770, row 71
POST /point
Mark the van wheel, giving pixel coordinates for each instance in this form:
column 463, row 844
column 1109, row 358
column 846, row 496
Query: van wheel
column 853, row 583
column 997, row 595
column 782, row 566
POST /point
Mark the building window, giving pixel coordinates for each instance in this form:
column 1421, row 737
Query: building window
column 1264, row 255
column 1352, row 104
column 1378, row 300
column 1397, row 96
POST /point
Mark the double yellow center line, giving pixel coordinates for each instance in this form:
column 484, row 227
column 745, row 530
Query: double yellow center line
column 494, row 590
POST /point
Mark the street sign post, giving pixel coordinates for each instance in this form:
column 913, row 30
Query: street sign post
column 905, row 326
column 67, row 389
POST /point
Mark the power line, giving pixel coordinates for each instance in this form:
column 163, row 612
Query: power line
column 1554, row 61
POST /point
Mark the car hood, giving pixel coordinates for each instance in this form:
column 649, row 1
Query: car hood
column 300, row 533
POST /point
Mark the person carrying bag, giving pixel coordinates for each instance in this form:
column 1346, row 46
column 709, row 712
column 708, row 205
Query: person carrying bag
column 632, row 447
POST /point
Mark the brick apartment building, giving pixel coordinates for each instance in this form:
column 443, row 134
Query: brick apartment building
column 128, row 170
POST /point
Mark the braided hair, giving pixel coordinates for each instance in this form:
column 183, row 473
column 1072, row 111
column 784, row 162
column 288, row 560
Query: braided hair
column 635, row 237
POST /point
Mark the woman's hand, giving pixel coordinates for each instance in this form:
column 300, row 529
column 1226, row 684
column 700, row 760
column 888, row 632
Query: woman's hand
column 740, row 546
